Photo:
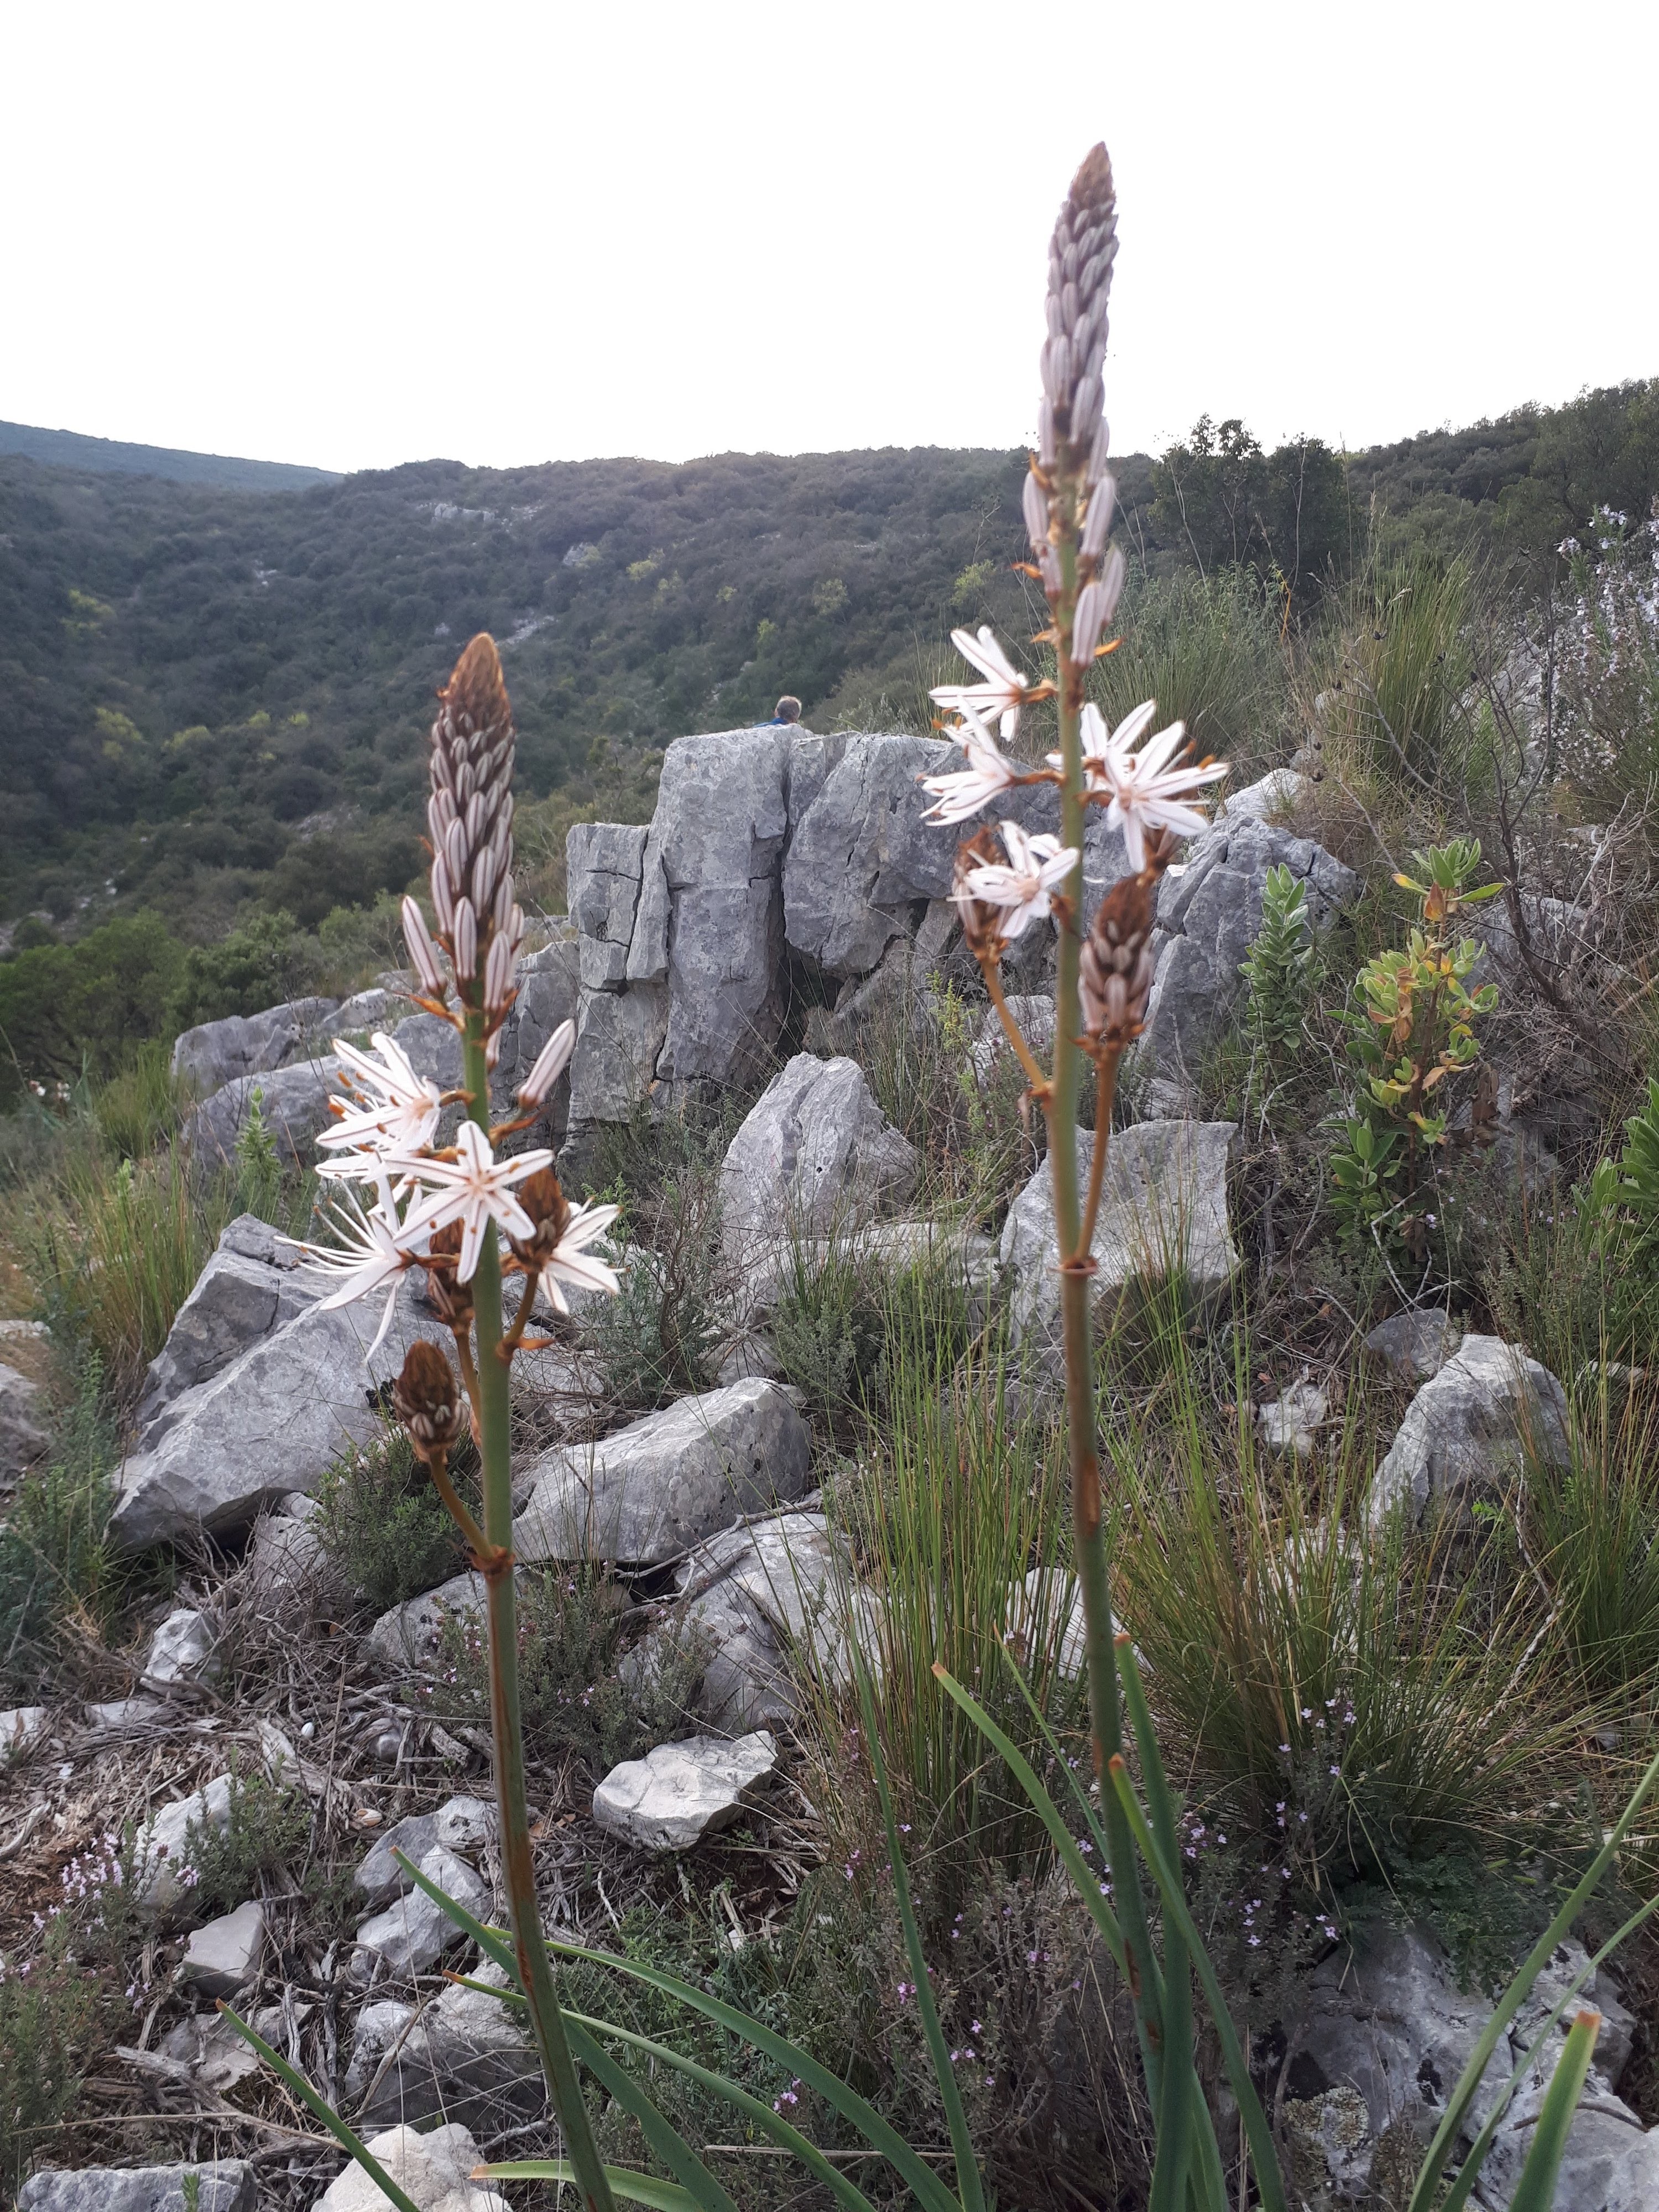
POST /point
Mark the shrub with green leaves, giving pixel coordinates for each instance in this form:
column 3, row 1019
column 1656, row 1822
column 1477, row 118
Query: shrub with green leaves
column 383, row 1524
column 580, row 1700
column 49, row 2019
column 1277, row 972
column 265, row 1836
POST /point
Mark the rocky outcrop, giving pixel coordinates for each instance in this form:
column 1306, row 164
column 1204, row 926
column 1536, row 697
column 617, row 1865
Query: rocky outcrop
column 768, row 847
column 679, row 1793
column 1467, row 1430
column 1208, row 915
column 216, row 1053
column 249, row 1288
column 293, row 1099
column 1163, row 1211
column 269, row 1422
column 816, row 1155
column 1385, row 2034
column 650, row 1492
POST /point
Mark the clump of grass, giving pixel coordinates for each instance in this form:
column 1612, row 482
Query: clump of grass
column 266, row 1835
column 1355, row 1696
column 384, row 1526
column 953, row 1500
column 58, row 1578
column 580, row 1700
column 1593, row 1526
column 1208, row 650
column 1392, row 669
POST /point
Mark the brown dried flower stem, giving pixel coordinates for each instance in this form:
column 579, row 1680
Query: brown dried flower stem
column 990, row 966
column 437, row 1461
column 490, row 1396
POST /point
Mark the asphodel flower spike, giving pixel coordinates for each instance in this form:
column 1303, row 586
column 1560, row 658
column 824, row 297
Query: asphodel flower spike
column 550, row 1063
column 375, row 1251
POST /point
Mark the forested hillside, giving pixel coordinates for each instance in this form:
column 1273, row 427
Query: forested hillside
column 210, row 696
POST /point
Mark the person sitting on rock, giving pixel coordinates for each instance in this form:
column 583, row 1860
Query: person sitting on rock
column 787, row 710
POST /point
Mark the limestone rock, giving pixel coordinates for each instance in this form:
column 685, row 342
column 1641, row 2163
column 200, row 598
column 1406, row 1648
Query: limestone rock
column 249, row 1288
column 816, row 1155
column 1208, row 915
column 364, row 1012
column 1468, row 1428
column 1414, row 1345
column 223, row 1955
column 881, row 1248
column 1281, row 791
column 271, row 1421
column 22, row 1438
column 860, row 854
column 432, row 2170
column 413, row 1933
column 122, row 1716
column 467, row 2055
column 619, row 1036
column 293, row 1105
column 462, row 1825
column 287, row 1561
column 159, row 1860
column 216, row 1053
column 1045, row 1612
column 755, row 1594
column 217, row 2056
column 1389, row 2024
column 406, row 1638
column 1163, row 1208
column 681, row 1792
column 221, row 2186
column 21, row 1728
column 181, row 1649
column 1290, row 1424
column 709, row 922
column 649, row 1492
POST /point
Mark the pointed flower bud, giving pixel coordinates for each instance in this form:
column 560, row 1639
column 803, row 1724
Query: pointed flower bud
column 463, row 937
column 1096, row 602
column 1035, row 501
column 499, row 964
column 422, row 951
column 1097, row 522
column 550, row 1063
column 1115, row 976
column 426, row 1399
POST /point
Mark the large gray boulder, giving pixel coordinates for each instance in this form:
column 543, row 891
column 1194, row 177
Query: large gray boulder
column 709, row 922
column 250, row 1286
column 467, row 2055
column 216, row 1053
column 1208, row 915
column 221, row 2185
column 1163, row 1211
column 1468, row 1430
column 860, row 855
column 293, row 1105
column 679, row 1793
column 648, row 1493
column 270, row 1422
column 815, row 1154
column 1386, row 2032
column 604, row 862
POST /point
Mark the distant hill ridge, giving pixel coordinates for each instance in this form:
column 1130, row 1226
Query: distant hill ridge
column 68, row 449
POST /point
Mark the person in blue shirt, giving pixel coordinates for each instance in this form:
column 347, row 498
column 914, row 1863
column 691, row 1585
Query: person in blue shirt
column 787, row 710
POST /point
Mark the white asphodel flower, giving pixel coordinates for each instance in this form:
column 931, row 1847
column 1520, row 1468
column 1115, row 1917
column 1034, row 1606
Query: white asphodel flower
column 1024, row 888
column 401, row 1109
column 573, row 1263
column 1098, row 741
column 1004, row 691
column 1146, row 793
column 474, row 1188
column 375, row 1251
column 964, row 790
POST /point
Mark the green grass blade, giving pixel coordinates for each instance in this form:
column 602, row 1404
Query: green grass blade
column 929, row 2190
column 1457, row 2107
column 665, row 2139
column 1085, row 1877
column 1458, row 2196
column 771, row 2123
column 1180, row 2087
column 632, row 2188
column 330, row 2119
column 1269, row 2183
column 1535, row 2190
column 969, row 2186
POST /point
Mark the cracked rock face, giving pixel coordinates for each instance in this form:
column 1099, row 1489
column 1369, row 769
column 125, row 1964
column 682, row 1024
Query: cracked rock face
column 221, row 2186
column 1164, row 1209
column 1467, row 1430
column 249, row 1288
column 815, row 1156
column 649, row 1492
column 467, row 2056
column 216, row 1053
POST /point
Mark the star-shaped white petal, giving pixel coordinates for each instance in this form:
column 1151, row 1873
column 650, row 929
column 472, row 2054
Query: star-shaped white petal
column 474, row 1188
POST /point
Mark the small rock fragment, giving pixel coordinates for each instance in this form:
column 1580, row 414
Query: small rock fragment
column 223, row 1955
column 181, row 1649
column 681, row 1792
column 1414, row 1345
column 434, row 2171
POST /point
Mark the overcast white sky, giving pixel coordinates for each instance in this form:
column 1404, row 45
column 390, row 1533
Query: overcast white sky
column 358, row 233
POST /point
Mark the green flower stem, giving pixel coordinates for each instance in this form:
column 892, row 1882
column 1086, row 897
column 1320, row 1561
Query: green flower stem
column 1088, row 1532
column 507, row 1724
